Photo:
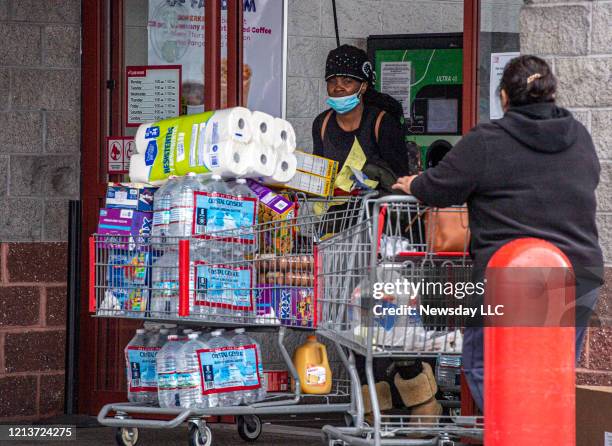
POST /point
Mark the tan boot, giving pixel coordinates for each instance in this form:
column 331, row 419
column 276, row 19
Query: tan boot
column 383, row 394
column 419, row 389
column 429, row 412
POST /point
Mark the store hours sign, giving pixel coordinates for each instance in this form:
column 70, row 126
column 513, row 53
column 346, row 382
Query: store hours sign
column 153, row 93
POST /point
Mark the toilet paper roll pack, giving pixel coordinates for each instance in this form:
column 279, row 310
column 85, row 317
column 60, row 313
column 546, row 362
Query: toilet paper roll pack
column 261, row 160
column 273, row 132
column 286, row 167
column 230, row 124
column 263, row 126
column 226, row 158
column 284, row 136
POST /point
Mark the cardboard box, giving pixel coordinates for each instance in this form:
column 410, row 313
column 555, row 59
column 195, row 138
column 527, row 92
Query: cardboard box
column 124, row 228
column 136, row 196
column 311, row 184
column 593, row 416
column 293, row 306
column 316, row 165
column 274, row 209
column 277, row 380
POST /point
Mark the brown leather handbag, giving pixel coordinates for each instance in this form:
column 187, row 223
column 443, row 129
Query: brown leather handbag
column 447, row 229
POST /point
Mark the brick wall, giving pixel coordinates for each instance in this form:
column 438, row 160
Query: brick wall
column 32, row 329
column 576, row 38
column 40, row 118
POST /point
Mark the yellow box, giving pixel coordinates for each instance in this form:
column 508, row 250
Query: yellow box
column 311, row 184
column 316, row 165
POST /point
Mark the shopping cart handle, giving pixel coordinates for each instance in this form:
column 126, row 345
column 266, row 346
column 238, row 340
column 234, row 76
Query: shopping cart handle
column 104, row 420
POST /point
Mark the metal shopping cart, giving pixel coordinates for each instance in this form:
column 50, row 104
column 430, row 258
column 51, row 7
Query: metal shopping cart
column 357, row 270
column 272, row 267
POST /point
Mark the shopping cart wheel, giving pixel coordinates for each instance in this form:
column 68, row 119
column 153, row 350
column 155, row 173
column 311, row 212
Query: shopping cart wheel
column 199, row 435
column 249, row 427
column 126, row 436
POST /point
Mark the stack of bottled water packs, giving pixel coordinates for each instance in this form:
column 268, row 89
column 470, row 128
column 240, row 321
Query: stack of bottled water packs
column 199, row 208
column 194, row 370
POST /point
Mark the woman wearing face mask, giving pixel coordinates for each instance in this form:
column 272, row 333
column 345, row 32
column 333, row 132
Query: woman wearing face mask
column 532, row 173
column 359, row 116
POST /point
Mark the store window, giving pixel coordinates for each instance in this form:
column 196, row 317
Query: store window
column 169, row 33
column 498, row 43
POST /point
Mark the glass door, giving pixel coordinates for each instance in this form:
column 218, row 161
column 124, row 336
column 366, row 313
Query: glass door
column 499, row 41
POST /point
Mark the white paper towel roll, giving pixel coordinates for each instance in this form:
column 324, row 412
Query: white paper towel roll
column 226, row 158
column 284, row 135
column 286, row 166
column 230, row 124
column 261, row 160
column 264, row 129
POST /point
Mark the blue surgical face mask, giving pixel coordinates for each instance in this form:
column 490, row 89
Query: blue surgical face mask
column 344, row 104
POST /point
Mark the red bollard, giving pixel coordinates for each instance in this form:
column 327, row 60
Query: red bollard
column 529, row 371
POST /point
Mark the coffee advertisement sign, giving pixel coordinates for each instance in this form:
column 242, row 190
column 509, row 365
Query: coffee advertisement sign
column 176, row 37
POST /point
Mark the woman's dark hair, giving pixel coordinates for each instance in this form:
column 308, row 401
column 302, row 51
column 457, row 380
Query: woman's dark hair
column 383, row 101
column 527, row 80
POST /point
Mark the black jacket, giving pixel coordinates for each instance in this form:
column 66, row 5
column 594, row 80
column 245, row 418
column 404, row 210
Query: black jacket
column 389, row 150
column 532, row 173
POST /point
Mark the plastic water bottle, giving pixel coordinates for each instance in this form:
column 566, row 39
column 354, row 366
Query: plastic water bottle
column 162, row 204
column 448, row 371
column 241, row 339
column 167, row 378
column 158, row 337
column 221, row 374
column 263, row 390
column 154, row 340
column 211, row 290
column 188, row 374
column 141, row 371
column 181, row 211
column 164, row 296
column 215, row 185
column 239, row 189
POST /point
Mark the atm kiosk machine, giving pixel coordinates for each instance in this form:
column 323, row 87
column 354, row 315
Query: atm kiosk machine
column 424, row 72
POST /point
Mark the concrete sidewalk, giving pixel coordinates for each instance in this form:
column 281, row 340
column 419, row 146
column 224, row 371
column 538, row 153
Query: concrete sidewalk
column 223, row 435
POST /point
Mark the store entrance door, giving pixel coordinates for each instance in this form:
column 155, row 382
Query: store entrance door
column 102, row 377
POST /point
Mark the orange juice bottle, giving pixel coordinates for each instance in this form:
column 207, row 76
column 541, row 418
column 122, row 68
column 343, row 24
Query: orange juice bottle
column 310, row 360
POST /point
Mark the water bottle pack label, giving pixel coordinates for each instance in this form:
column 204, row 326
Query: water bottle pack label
column 229, row 369
column 188, row 379
column 143, row 368
column 230, row 287
column 221, row 212
column 161, row 217
column 180, row 214
column 167, row 381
